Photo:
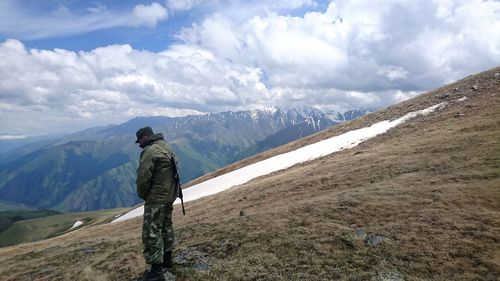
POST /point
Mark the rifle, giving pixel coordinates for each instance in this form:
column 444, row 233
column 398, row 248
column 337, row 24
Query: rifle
column 178, row 185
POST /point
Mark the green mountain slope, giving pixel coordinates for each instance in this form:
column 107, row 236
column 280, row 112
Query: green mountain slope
column 8, row 218
column 45, row 178
column 38, row 225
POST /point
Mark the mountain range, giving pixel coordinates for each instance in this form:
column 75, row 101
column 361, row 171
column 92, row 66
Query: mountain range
column 95, row 168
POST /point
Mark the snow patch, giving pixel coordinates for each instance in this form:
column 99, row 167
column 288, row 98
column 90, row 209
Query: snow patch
column 132, row 214
column 254, row 114
column 462, row 99
column 286, row 160
column 77, row 224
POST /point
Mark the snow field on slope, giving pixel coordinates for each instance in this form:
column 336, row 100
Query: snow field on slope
column 286, row 160
column 77, row 224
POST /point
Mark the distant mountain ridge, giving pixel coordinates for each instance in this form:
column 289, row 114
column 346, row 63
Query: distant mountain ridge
column 95, row 168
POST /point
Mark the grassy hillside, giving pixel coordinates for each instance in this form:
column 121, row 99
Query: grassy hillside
column 420, row 202
column 29, row 226
column 8, row 218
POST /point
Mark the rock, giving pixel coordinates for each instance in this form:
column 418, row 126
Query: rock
column 196, row 259
column 370, row 239
column 88, row 251
column 474, row 87
column 242, row 213
column 444, row 96
column 373, row 240
column 497, row 75
column 455, row 90
column 169, row 276
column 361, row 233
column 458, row 114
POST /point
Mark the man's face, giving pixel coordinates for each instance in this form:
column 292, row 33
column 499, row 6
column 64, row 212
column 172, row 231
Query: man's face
column 143, row 140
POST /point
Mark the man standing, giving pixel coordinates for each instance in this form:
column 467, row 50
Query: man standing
column 157, row 185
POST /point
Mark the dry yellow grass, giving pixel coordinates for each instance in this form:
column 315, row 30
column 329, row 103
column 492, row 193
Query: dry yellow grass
column 429, row 189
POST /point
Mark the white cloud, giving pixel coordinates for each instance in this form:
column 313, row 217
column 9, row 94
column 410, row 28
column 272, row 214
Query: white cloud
column 114, row 83
column 351, row 54
column 361, row 45
column 149, row 15
column 393, row 72
column 97, row 8
column 17, row 21
column 180, row 5
column 238, row 8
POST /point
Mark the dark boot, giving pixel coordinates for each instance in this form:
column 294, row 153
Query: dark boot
column 155, row 274
column 167, row 260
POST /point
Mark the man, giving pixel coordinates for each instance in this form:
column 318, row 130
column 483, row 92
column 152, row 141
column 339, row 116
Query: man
column 157, row 185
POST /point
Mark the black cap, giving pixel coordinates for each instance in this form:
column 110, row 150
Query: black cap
column 146, row 131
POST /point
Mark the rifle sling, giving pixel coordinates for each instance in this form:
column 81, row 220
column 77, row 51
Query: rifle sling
column 178, row 185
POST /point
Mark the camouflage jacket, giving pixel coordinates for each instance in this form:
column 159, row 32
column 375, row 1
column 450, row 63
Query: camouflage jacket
column 155, row 174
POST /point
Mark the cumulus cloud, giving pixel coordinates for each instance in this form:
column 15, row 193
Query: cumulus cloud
column 349, row 54
column 114, row 83
column 149, row 15
column 361, row 45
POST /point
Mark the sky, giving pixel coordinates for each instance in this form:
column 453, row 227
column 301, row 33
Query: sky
column 286, row 160
column 66, row 65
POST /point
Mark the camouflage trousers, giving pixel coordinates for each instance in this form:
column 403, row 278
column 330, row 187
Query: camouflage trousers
column 157, row 232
